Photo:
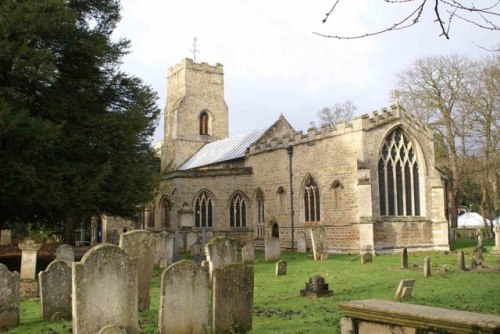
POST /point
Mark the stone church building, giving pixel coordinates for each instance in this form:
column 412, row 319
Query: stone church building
column 370, row 185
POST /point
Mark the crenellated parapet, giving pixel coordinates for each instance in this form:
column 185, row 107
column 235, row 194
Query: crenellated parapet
column 363, row 122
column 188, row 63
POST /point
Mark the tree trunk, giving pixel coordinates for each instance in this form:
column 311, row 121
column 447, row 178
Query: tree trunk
column 69, row 231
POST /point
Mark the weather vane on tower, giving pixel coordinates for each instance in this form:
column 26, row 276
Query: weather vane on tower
column 195, row 49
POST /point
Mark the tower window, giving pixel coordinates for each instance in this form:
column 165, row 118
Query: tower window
column 204, row 123
column 398, row 177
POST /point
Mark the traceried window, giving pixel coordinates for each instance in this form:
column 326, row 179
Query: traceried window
column 398, row 175
column 311, row 201
column 238, row 211
column 204, row 208
column 204, row 123
column 259, row 199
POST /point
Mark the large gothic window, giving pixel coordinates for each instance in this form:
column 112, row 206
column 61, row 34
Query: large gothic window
column 238, row 211
column 398, row 175
column 204, row 123
column 259, row 199
column 311, row 200
column 204, row 208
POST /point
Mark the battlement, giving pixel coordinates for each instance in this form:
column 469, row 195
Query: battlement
column 363, row 122
column 188, row 63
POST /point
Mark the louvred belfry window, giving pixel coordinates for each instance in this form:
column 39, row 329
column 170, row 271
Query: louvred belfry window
column 398, row 175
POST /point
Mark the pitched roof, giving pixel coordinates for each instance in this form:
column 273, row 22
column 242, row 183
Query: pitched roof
column 222, row 150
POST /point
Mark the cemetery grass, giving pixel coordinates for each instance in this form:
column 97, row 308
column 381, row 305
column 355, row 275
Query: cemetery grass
column 278, row 307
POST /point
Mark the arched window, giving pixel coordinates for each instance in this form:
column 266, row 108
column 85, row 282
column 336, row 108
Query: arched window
column 311, row 200
column 338, row 195
column 204, row 208
column 259, row 199
column 398, row 177
column 204, row 123
column 238, row 211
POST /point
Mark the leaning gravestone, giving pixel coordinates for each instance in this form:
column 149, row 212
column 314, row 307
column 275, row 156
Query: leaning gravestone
column 141, row 244
column 9, row 298
column 404, row 259
column 184, row 299
column 232, row 298
column 366, row 258
column 55, row 291
column 301, row 243
column 318, row 244
column 281, row 267
column 248, row 253
column 427, row 266
column 104, row 290
column 5, row 237
column 65, row 253
column 405, row 289
column 272, row 249
column 220, row 252
column 164, row 249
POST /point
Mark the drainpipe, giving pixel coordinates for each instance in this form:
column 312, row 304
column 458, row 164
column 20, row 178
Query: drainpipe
column 290, row 154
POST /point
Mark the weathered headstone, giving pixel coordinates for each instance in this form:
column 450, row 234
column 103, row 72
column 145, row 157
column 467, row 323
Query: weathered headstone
column 405, row 289
column 427, row 266
column 318, row 244
column 366, row 258
column 104, row 290
column 248, row 253
column 301, row 243
column 232, row 298
column 191, row 239
column 272, row 249
column 316, row 288
column 141, row 244
column 184, row 299
column 111, row 329
column 55, row 291
column 164, row 249
column 65, row 253
column 9, row 298
column 404, row 259
column 461, row 260
column 496, row 250
column 281, row 268
column 5, row 237
column 28, row 259
column 220, row 252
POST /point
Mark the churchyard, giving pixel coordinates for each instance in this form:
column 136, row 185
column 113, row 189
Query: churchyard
column 279, row 308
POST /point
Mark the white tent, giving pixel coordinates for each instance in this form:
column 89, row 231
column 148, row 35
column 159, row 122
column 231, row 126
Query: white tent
column 471, row 219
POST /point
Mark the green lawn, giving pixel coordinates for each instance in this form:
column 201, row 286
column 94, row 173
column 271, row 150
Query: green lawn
column 278, row 308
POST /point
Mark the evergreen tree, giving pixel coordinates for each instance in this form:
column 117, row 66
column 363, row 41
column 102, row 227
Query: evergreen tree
column 74, row 130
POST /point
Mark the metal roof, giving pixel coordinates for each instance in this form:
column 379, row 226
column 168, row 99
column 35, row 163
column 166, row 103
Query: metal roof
column 223, row 150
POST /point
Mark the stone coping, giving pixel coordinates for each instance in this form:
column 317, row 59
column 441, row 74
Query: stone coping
column 420, row 316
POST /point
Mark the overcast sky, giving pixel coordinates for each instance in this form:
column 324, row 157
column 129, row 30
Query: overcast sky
column 274, row 64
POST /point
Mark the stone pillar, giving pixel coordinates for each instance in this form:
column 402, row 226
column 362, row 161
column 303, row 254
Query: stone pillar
column 366, row 241
column 427, row 266
column 28, row 284
column 461, row 260
column 404, row 259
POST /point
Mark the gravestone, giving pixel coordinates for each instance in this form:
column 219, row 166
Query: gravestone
column 316, row 288
column 404, row 259
column 427, row 266
column 232, row 298
column 28, row 285
column 405, row 289
column 496, row 250
column 177, row 246
column 461, row 260
column 9, row 298
column 184, row 299
column 272, row 249
column 65, row 253
column 220, row 252
column 111, row 329
column 248, row 253
column 104, row 290
column 191, row 239
column 55, row 291
column 366, row 258
column 281, row 267
column 318, row 244
column 5, row 237
column 301, row 243
column 164, row 249
column 141, row 244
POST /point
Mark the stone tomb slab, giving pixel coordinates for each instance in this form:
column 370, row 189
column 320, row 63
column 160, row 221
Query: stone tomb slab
column 220, row 252
column 272, row 249
column 55, row 291
column 141, row 244
column 65, row 253
column 405, row 289
column 316, row 288
column 232, row 298
column 9, row 298
column 104, row 290
column 184, row 299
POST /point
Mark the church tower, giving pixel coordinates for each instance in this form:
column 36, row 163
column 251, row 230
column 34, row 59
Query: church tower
column 196, row 112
